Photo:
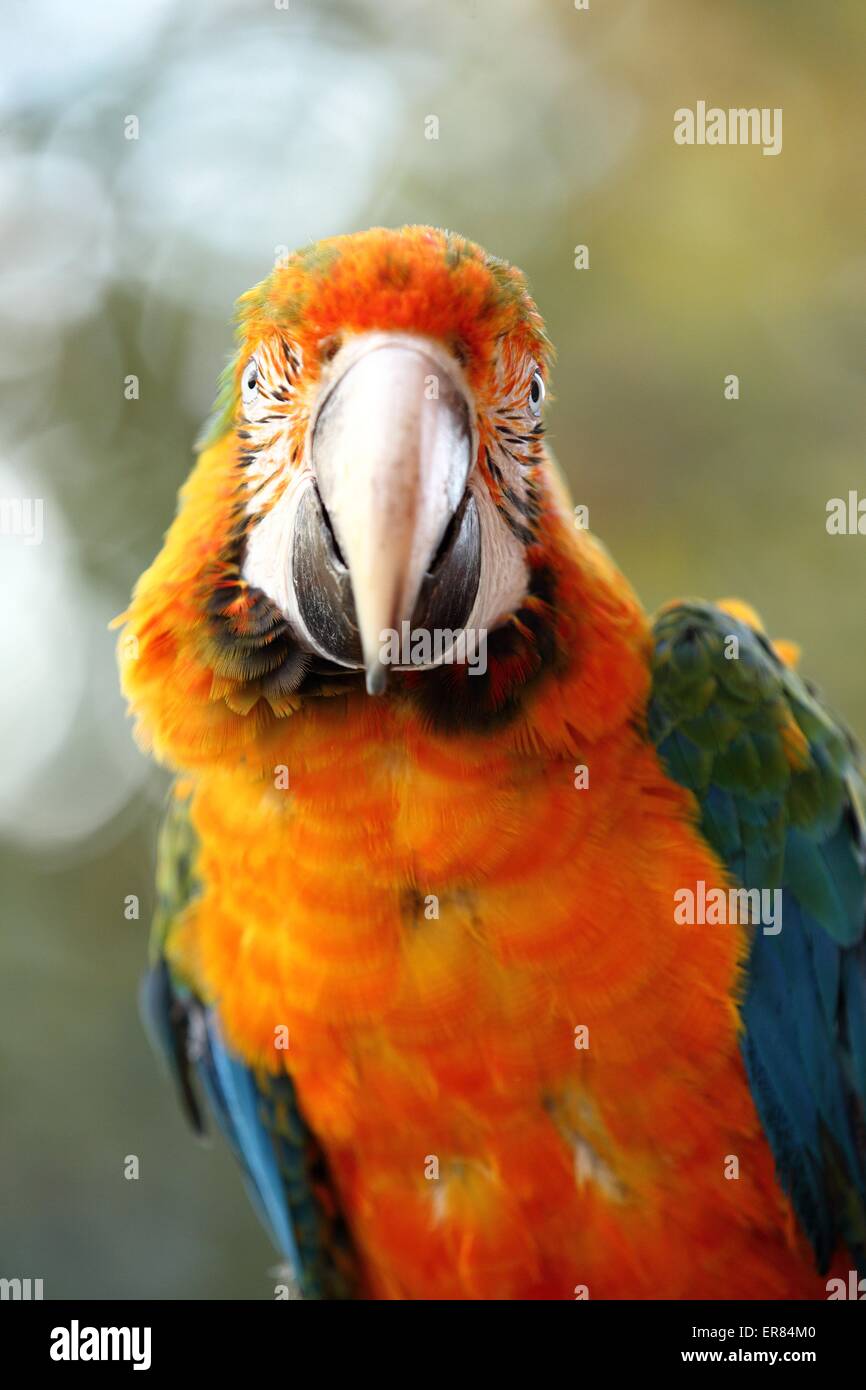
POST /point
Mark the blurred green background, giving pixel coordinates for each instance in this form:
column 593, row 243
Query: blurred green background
column 263, row 128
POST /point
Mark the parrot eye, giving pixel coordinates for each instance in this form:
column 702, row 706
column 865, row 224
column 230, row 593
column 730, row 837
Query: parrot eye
column 330, row 346
column 536, row 394
column 250, row 382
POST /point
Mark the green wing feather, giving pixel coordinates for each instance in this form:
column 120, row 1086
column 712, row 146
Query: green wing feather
column 780, row 797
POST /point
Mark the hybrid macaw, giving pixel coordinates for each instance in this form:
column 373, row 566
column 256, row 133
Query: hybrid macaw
column 421, row 941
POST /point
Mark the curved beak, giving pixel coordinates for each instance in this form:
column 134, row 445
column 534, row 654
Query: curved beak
column 397, row 540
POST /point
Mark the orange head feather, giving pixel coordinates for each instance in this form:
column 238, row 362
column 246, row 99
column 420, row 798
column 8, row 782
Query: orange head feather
column 384, row 401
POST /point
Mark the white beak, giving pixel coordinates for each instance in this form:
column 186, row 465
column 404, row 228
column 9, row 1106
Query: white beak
column 392, row 447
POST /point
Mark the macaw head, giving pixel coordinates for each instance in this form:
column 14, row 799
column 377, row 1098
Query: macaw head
column 375, row 475
column 387, row 400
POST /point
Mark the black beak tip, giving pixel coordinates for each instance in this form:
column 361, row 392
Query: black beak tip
column 377, row 677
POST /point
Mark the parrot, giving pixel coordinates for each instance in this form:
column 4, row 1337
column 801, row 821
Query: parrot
column 527, row 960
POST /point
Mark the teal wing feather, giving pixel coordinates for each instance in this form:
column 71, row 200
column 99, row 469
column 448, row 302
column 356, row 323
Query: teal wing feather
column 258, row 1114
column 780, row 797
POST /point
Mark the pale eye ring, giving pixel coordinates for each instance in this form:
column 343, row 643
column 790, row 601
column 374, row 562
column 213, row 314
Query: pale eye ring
column 250, row 382
column 536, row 394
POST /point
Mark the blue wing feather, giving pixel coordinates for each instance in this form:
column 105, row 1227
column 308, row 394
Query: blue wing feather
column 234, row 1097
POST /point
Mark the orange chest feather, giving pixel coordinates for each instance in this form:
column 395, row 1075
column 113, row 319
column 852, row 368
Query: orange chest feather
column 524, row 1072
